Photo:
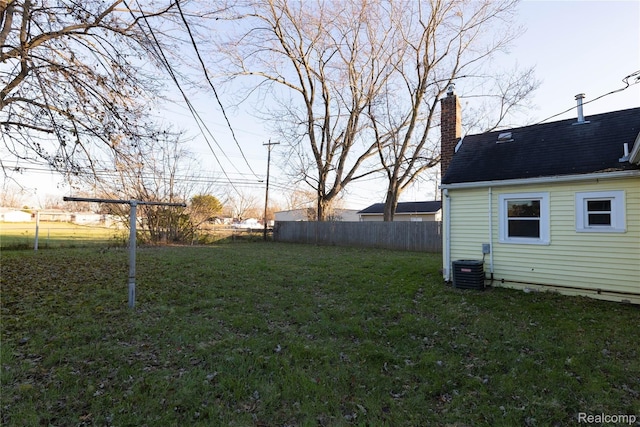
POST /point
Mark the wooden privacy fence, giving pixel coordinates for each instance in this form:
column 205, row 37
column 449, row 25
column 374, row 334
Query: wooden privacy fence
column 401, row 235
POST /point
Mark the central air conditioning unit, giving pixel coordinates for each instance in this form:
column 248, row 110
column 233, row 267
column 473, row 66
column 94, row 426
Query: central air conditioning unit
column 468, row 274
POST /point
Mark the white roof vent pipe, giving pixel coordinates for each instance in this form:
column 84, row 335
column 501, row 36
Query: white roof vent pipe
column 451, row 89
column 626, row 156
column 581, row 120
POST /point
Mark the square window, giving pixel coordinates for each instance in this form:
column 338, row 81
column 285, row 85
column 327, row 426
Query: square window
column 524, row 218
column 600, row 211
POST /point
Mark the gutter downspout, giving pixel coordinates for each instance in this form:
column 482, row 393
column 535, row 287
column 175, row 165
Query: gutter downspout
column 491, row 232
column 446, row 258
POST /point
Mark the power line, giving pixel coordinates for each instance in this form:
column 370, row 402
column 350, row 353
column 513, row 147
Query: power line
column 169, row 69
column 635, row 75
column 215, row 93
column 280, row 184
column 105, row 173
column 283, row 186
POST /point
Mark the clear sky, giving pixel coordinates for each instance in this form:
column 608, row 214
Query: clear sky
column 576, row 46
column 581, row 47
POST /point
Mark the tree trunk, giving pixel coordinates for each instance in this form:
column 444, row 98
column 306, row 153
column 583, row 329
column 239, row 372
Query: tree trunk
column 391, row 203
column 323, row 208
column 319, row 210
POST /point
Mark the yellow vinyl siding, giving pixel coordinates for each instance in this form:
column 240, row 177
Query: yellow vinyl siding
column 469, row 217
column 584, row 261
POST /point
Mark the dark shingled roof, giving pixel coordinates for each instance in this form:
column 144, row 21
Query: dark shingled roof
column 549, row 149
column 406, row 207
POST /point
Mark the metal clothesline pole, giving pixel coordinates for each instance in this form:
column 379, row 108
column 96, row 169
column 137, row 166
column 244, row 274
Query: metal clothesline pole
column 131, row 283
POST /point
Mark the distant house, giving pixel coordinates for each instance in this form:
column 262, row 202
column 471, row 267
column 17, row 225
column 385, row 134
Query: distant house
column 309, row 214
column 57, row 215
column 294, row 215
column 14, row 215
column 88, row 218
column 405, row 211
column 552, row 206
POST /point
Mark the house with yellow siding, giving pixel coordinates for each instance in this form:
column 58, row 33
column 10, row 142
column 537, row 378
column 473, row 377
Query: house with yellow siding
column 548, row 207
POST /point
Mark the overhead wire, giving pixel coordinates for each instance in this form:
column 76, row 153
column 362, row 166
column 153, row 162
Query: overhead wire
column 284, row 186
column 215, row 92
column 635, row 74
column 165, row 62
column 107, row 173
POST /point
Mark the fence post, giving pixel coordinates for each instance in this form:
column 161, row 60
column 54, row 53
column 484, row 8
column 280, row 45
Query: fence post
column 35, row 244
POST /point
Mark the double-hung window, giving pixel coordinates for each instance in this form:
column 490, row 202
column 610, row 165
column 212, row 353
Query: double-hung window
column 524, row 218
column 600, row 211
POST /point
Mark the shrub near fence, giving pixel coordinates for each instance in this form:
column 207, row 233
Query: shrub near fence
column 401, row 235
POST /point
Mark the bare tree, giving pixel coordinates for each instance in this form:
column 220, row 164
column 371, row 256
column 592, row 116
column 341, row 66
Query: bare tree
column 242, row 205
column 362, row 78
column 320, row 61
column 298, row 199
column 162, row 170
column 52, row 201
column 75, row 80
column 271, row 212
column 331, row 210
column 11, row 196
column 439, row 43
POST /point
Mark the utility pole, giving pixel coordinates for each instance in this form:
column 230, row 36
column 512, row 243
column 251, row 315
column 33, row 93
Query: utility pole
column 266, row 193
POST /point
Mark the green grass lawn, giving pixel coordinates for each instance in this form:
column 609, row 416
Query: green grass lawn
column 269, row 334
column 69, row 235
column 58, row 234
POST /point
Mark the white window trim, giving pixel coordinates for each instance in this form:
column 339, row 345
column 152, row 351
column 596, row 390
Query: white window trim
column 618, row 220
column 544, row 239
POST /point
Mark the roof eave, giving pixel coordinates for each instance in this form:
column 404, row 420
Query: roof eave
column 543, row 180
column 403, row 213
column 417, row 213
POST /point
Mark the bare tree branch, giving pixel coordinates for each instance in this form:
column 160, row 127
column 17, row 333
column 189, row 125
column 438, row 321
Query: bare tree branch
column 450, row 43
column 349, row 82
column 77, row 71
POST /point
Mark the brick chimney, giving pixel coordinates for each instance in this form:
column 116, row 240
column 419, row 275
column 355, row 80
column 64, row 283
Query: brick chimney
column 450, row 128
